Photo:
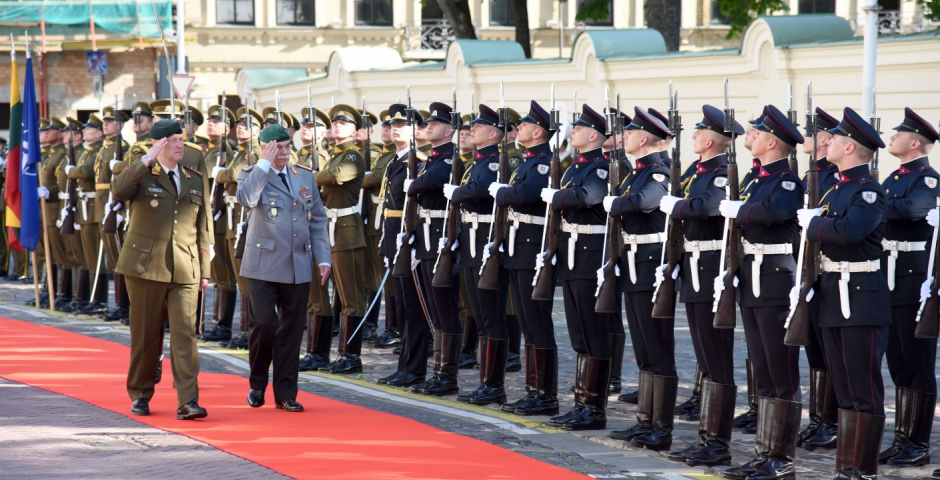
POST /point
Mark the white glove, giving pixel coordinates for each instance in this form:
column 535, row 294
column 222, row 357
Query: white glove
column 217, row 215
column 107, row 207
column 729, row 208
column 810, row 294
column 117, row 206
column 386, row 261
column 441, row 244
column 933, row 217
column 449, row 190
column 112, row 163
column 540, row 259
column 719, row 284
column 660, row 276
column 408, row 182
column 925, row 289
column 494, row 188
column 600, row 277
column 77, row 226
column 486, row 251
column 120, row 219
column 63, row 213
column 608, row 202
column 805, row 215
column 215, row 171
column 795, row 296
column 548, row 194
column 414, row 260
column 400, row 239
column 667, row 203
column 455, row 246
column 211, row 248
column 68, row 168
column 43, row 192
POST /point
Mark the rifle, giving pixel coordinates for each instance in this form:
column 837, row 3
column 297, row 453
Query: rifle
column 928, row 315
column 409, row 223
column 798, row 322
column 68, row 221
column 543, row 282
column 725, row 306
column 607, row 292
column 664, row 296
column 242, row 229
column 875, row 122
column 218, row 202
column 109, row 224
column 792, row 115
column 489, row 272
column 444, row 268
column 367, row 157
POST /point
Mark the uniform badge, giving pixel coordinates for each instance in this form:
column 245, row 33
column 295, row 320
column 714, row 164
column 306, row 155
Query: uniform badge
column 155, row 203
column 513, row 162
column 272, row 213
column 721, row 182
column 602, row 173
column 543, row 169
column 351, row 157
column 788, row 185
column 196, row 192
column 449, row 161
column 155, row 189
column 304, row 193
column 494, row 167
column 930, row 181
column 870, row 197
column 658, row 177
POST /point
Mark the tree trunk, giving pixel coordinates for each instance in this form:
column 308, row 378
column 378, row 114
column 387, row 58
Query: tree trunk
column 520, row 16
column 457, row 13
column 665, row 16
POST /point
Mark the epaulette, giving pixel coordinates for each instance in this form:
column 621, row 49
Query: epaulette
column 303, row 167
column 193, row 145
column 865, row 180
column 192, row 170
column 421, row 155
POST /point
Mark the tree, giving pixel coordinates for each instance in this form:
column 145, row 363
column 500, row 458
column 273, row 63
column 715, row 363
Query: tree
column 457, row 13
column 741, row 12
column 665, row 16
column 520, row 16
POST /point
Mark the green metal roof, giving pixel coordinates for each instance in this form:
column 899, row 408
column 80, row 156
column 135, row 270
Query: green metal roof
column 630, row 42
column 259, row 77
column 790, row 30
column 489, row 51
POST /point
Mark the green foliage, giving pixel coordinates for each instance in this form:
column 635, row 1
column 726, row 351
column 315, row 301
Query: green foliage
column 931, row 9
column 597, row 10
column 741, row 12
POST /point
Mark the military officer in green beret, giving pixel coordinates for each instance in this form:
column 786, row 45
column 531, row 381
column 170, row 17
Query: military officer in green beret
column 166, row 262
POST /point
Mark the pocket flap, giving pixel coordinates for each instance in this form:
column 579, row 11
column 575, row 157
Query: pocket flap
column 139, row 242
column 259, row 242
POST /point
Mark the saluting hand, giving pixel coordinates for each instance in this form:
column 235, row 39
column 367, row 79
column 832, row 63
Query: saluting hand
column 156, row 148
column 269, row 151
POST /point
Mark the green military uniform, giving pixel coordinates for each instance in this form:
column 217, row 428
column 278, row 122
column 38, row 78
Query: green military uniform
column 166, row 253
column 103, row 175
column 73, row 242
column 84, row 174
column 52, row 157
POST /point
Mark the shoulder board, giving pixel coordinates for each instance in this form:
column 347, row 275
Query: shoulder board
column 422, row 156
column 191, row 170
column 865, row 180
column 193, row 145
column 302, row 167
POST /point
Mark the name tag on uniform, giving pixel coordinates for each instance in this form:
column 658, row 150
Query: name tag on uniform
column 196, row 192
column 155, row 189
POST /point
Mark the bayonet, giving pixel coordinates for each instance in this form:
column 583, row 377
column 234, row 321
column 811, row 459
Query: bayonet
column 166, row 55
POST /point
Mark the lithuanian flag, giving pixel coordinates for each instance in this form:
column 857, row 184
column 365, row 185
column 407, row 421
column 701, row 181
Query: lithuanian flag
column 12, row 191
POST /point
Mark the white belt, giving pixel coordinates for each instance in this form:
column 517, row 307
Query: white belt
column 335, row 213
column 517, row 219
column 63, row 196
column 696, row 247
column 84, row 196
column 378, row 201
column 634, row 240
column 426, row 226
column 846, row 269
column 759, row 250
column 474, row 219
column 575, row 229
column 894, row 247
column 87, row 194
column 229, row 209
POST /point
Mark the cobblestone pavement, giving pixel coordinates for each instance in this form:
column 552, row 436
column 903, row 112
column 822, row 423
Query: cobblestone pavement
column 590, row 452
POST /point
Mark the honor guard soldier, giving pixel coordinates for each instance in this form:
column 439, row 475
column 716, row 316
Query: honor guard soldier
column 270, row 116
column 340, row 183
column 767, row 221
column 113, row 122
column 471, row 337
column 642, row 224
column 702, row 228
column 372, row 185
column 374, row 268
column 526, row 219
column 247, row 128
column 307, row 155
column 442, row 302
column 823, row 406
column 84, row 174
column 219, row 122
column 166, row 262
column 516, row 157
column 413, row 360
column 489, row 306
column 54, row 152
column 143, row 121
column 580, row 252
column 854, row 299
column 277, row 194
column 81, row 277
column 911, row 193
column 193, row 119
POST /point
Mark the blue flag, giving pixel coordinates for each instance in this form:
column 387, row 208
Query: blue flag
column 30, row 223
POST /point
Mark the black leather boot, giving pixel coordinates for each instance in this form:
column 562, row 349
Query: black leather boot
column 370, row 329
column 319, row 338
column 82, row 291
column 514, row 355
column 64, row 293
column 591, row 391
column 465, row 397
column 902, row 423
column 468, row 354
column 546, row 384
column 644, row 410
column 444, row 381
column 691, row 408
column 659, row 437
column 436, row 352
column 530, row 381
column 781, row 425
column 917, row 450
column 350, row 347
column 716, row 420
column 391, row 337
column 616, row 342
column 765, row 409
column 845, row 444
column 99, row 304
column 580, row 366
column 632, row 397
column 817, row 389
column 747, row 421
column 825, row 436
column 494, row 374
column 868, row 433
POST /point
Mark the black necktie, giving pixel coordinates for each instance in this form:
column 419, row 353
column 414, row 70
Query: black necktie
column 284, row 179
column 176, row 190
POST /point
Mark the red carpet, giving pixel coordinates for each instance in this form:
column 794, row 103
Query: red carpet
column 331, row 440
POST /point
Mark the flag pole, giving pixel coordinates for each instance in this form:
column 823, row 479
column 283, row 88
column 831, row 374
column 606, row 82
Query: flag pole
column 45, row 238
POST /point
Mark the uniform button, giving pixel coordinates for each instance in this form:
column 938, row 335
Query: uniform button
column 777, row 269
column 910, row 271
column 175, row 212
column 174, row 222
column 701, row 268
column 858, row 288
column 174, row 232
column 295, row 204
column 295, row 219
column 258, row 245
column 295, row 234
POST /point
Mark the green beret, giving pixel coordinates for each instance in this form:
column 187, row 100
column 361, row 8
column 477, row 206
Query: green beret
column 274, row 133
column 165, row 128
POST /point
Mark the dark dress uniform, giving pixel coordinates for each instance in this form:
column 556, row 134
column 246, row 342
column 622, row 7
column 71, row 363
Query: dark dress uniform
column 372, row 186
column 854, row 302
column 488, row 306
column 580, row 254
column 911, row 192
column 642, row 224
